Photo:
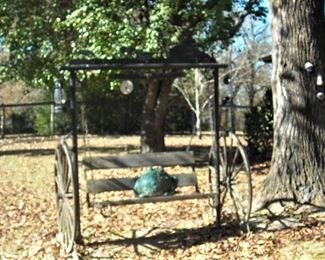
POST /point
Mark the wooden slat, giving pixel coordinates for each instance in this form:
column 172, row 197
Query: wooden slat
column 140, row 160
column 120, row 184
column 151, row 199
column 113, row 184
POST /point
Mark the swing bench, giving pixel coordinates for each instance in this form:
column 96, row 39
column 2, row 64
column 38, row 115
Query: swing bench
column 158, row 159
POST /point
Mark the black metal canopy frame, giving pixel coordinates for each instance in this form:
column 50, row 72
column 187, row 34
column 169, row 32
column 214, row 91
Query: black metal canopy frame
column 125, row 64
column 132, row 69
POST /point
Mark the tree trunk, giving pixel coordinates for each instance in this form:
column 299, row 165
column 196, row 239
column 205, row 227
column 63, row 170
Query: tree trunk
column 198, row 86
column 298, row 160
column 154, row 112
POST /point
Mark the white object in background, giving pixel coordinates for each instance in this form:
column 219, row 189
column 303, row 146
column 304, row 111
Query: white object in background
column 319, row 80
column 320, row 96
column 126, row 87
column 309, row 66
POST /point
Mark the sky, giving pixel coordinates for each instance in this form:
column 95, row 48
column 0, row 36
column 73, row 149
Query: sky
column 258, row 25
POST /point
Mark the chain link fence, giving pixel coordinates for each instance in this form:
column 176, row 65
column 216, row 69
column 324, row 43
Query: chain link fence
column 110, row 117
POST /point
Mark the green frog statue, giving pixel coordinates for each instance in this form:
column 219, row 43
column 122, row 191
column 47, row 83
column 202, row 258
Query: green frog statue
column 154, row 182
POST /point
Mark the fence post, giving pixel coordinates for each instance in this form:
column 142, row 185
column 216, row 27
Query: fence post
column 52, row 120
column 2, row 121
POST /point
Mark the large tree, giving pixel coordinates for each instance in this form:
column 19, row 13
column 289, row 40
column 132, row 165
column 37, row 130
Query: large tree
column 41, row 34
column 298, row 162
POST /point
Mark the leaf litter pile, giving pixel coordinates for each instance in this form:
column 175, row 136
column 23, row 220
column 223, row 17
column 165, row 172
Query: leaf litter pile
column 173, row 230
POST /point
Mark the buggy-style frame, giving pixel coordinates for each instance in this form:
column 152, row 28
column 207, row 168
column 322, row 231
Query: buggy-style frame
column 66, row 156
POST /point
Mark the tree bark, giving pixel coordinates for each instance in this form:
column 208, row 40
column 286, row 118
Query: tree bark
column 154, row 113
column 298, row 162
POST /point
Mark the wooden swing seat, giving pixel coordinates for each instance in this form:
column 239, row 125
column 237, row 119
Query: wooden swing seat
column 164, row 159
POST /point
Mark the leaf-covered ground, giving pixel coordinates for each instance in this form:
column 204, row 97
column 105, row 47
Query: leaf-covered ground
column 173, row 230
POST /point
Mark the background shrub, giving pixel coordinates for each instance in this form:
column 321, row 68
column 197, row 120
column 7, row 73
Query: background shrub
column 259, row 129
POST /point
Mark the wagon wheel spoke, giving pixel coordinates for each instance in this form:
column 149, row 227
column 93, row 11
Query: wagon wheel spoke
column 58, row 163
column 212, row 185
column 66, row 175
column 223, row 194
column 69, row 220
column 67, row 185
column 222, row 159
column 63, row 184
column 60, row 170
column 239, row 207
column 64, row 171
column 58, row 154
column 68, row 223
column 59, row 185
column 223, row 166
column 225, row 154
column 63, row 226
column 60, row 212
column 234, row 160
column 237, row 170
column 68, row 206
column 59, row 182
column 67, row 229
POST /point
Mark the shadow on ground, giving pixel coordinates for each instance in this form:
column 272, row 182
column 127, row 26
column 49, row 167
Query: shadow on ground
column 157, row 239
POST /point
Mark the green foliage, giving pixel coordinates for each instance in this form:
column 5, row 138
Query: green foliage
column 259, row 128
column 40, row 35
column 34, row 48
column 42, row 121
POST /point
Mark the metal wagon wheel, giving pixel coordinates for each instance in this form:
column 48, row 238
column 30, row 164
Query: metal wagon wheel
column 67, row 196
column 235, row 180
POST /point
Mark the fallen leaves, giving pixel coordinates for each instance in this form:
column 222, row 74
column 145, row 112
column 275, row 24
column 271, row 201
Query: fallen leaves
column 174, row 230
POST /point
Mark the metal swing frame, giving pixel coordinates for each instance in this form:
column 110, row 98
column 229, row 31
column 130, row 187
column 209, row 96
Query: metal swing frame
column 139, row 67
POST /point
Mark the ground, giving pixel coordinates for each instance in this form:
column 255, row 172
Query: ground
column 173, row 230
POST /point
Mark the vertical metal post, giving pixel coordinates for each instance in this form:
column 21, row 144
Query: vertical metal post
column 216, row 140
column 73, row 114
